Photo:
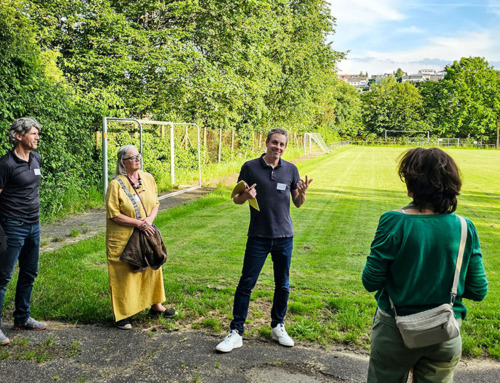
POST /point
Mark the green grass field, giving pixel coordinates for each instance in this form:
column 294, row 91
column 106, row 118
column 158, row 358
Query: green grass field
column 352, row 187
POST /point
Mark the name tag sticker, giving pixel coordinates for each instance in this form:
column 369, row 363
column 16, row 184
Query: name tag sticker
column 37, row 172
column 281, row 186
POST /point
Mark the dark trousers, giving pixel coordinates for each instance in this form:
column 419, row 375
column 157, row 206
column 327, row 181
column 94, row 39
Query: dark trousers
column 23, row 245
column 257, row 250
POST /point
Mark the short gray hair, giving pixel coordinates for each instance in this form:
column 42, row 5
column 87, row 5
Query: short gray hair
column 122, row 152
column 22, row 126
column 277, row 131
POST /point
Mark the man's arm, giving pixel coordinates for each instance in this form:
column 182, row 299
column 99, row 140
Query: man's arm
column 299, row 194
column 248, row 193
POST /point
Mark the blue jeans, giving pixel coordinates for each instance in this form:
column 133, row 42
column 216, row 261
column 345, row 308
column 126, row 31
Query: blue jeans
column 256, row 253
column 23, row 244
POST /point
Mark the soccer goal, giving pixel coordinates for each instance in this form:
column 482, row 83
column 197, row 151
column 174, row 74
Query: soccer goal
column 171, row 137
column 447, row 142
column 314, row 140
column 410, row 137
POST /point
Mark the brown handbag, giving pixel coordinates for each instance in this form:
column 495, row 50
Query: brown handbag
column 143, row 251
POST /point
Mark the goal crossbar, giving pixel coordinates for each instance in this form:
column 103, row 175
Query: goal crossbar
column 172, row 149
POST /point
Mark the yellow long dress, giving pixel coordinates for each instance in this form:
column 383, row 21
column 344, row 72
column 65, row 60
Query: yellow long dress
column 131, row 292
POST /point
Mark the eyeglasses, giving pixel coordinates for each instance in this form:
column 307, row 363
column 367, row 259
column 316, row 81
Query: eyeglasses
column 133, row 158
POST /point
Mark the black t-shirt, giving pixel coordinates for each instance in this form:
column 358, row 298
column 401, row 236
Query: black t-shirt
column 20, row 182
column 274, row 187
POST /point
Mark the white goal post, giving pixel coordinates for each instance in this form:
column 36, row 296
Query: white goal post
column 140, row 123
column 318, row 139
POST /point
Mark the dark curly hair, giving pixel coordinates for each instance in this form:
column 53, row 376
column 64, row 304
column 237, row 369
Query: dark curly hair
column 432, row 177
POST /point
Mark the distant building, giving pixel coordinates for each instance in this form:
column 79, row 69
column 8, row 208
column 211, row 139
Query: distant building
column 363, row 83
column 378, row 78
column 359, row 82
column 424, row 75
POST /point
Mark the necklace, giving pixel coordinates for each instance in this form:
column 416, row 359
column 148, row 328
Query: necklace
column 134, row 185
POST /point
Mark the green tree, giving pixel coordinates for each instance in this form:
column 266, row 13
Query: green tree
column 347, row 110
column 253, row 63
column 399, row 74
column 466, row 103
column 394, row 106
column 31, row 85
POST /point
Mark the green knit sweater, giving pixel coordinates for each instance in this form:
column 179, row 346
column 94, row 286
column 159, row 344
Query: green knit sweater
column 413, row 259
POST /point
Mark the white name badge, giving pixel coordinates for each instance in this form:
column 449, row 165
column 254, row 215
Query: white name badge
column 281, row 186
column 37, row 172
column 136, row 198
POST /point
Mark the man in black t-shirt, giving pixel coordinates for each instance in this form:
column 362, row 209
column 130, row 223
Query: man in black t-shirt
column 270, row 231
column 20, row 173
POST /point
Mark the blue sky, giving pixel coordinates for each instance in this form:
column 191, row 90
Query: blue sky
column 384, row 35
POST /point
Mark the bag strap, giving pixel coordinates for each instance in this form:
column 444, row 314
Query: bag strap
column 132, row 199
column 460, row 256
column 137, row 194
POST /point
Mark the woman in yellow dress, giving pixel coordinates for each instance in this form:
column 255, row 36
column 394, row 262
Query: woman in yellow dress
column 131, row 292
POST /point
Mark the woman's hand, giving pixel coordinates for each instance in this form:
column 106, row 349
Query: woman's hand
column 146, row 226
column 149, row 220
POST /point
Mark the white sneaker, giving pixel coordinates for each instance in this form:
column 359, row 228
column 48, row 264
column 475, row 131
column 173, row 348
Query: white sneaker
column 279, row 333
column 233, row 340
column 3, row 339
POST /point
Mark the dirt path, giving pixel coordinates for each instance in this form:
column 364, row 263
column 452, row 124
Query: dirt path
column 75, row 353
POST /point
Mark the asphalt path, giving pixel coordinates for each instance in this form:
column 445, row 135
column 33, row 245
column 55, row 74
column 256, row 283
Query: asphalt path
column 90, row 353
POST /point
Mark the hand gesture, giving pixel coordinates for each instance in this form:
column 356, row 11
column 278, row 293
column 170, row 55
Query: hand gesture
column 303, row 185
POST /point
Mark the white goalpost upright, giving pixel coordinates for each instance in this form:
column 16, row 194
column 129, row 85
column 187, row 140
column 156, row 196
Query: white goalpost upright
column 309, row 138
column 140, row 123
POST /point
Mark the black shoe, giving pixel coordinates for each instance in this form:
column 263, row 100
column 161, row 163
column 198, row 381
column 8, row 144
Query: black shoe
column 124, row 324
column 166, row 313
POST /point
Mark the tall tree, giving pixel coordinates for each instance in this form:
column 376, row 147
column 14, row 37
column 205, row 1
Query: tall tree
column 466, row 103
column 394, row 106
column 399, row 74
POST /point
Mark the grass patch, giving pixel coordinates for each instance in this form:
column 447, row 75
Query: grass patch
column 205, row 240
column 22, row 349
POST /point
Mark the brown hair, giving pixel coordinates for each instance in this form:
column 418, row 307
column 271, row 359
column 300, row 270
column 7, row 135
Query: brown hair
column 432, row 177
column 277, row 131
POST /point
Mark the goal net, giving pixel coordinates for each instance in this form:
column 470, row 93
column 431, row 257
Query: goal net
column 314, row 143
column 170, row 151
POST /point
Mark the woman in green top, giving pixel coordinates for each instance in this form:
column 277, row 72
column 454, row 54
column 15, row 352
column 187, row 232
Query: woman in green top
column 412, row 259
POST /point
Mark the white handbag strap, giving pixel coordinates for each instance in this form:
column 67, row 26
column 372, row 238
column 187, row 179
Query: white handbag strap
column 461, row 248
column 460, row 257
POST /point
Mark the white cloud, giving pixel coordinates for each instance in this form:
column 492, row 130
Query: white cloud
column 356, row 18
column 411, row 30
column 365, row 11
column 482, row 44
column 380, row 41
